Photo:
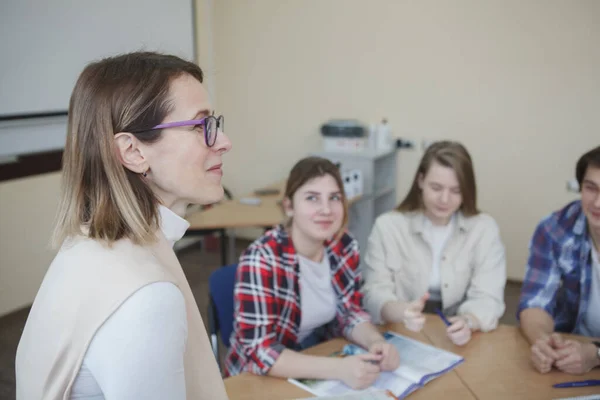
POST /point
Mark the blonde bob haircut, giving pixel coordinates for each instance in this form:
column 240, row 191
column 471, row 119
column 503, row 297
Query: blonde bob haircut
column 100, row 198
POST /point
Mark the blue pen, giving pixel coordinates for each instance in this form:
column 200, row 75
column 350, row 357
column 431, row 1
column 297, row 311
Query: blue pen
column 443, row 317
column 591, row 382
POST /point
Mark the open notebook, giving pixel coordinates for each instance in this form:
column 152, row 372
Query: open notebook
column 419, row 364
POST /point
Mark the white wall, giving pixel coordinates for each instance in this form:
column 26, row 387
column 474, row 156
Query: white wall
column 516, row 81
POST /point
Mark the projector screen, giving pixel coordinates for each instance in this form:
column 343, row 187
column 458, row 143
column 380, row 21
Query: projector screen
column 45, row 44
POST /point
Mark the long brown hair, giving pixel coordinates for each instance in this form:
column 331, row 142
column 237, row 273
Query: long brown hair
column 125, row 93
column 452, row 155
column 313, row 167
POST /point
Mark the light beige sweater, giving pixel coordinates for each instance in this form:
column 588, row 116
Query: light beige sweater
column 84, row 285
column 398, row 265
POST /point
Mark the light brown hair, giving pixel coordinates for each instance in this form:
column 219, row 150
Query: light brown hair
column 313, row 167
column 452, row 155
column 125, row 93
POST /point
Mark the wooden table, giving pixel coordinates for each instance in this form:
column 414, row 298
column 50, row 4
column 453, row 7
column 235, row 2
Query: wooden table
column 231, row 214
column 251, row 387
column 496, row 367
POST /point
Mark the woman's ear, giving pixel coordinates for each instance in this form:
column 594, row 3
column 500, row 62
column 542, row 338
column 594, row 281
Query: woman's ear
column 130, row 153
column 287, row 207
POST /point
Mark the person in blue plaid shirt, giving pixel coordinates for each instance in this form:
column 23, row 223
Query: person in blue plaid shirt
column 561, row 290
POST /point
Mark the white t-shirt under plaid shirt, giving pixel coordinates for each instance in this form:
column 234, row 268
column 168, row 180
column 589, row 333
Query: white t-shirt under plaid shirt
column 591, row 318
column 317, row 298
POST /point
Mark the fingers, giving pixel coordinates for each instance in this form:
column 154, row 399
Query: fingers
column 460, row 337
column 557, row 341
column 371, row 368
column 415, row 324
column 391, row 359
column 367, row 380
column 377, row 347
column 546, row 349
column 457, row 325
column 459, row 333
column 370, row 357
column 541, row 362
column 414, row 319
column 571, row 359
column 564, row 352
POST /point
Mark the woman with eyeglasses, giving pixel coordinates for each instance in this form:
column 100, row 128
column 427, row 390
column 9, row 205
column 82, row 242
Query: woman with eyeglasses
column 299, row 284
column 115, row 317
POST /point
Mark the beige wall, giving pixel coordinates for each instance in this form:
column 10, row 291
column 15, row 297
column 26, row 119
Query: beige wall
column 516, row 81
column 27, row 209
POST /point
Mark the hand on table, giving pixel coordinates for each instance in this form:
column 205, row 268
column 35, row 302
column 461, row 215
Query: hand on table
column 390, row 357
column 575, row 357
column 459, row 332
column 544, row 352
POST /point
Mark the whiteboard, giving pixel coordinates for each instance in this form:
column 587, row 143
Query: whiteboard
column 44, row 45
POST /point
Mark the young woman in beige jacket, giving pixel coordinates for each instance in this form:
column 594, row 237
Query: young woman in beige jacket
column 436, row 250
column 115, row 317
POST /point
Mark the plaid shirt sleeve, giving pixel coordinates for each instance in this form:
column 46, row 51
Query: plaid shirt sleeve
column 256, row 309
column 543, row 276
column 355, row 313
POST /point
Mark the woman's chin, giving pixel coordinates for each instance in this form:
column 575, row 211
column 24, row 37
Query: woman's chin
column 210, row 195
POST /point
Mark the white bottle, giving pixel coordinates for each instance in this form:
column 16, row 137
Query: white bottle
column 384, row 135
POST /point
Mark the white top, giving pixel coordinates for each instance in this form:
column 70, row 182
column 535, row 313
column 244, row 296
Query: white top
column 138, row 353
column 591, row 319
column 437, row 237
column 317, row 296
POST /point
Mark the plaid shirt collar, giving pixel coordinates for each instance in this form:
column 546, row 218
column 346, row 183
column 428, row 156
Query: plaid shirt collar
column 580, row 225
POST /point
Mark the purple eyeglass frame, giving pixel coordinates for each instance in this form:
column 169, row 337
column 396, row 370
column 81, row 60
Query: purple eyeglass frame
column 219, row 121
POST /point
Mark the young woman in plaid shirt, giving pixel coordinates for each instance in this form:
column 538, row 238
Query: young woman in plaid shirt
column 299, row 284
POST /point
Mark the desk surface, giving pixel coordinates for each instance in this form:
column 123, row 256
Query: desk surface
column 247, row 386
column 496, row 367
column 233, row 214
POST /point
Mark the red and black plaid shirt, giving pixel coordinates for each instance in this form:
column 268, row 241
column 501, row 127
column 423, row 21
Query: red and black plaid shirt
column 267, row 299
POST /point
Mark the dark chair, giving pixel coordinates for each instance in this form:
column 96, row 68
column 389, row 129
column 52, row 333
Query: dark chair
column 220, row 306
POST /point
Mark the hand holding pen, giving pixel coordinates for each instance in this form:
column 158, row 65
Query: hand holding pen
column 359, row 371
column 390, row 358
column 458, row 330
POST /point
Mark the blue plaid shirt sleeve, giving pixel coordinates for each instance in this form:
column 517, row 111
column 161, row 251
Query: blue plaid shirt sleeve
column 543, row 276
